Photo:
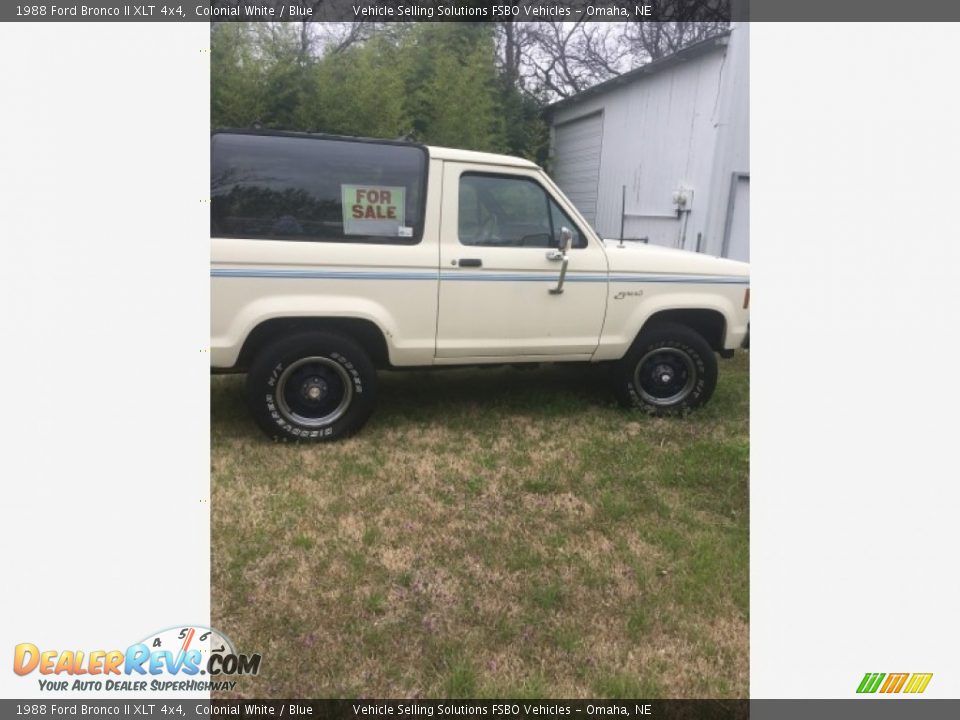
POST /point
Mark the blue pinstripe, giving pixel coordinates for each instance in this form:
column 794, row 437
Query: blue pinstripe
column 453, row 275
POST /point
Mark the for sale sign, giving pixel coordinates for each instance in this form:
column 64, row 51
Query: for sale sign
column 373, row 210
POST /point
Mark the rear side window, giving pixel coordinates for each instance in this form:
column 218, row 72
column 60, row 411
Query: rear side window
column 277, row 187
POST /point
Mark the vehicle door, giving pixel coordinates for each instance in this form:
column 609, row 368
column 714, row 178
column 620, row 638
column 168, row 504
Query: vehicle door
column 501, row 265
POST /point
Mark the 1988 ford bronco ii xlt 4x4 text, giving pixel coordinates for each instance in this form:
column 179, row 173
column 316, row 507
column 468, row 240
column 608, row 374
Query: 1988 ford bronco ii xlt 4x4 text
column 332, row 257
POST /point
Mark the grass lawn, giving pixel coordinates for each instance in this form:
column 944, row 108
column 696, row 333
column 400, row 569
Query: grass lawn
column 492, row 532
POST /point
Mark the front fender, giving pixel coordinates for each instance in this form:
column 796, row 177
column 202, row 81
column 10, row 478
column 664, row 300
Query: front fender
column 628, row 312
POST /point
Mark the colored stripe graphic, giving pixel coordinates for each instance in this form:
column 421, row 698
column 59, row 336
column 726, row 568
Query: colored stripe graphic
column 894, row 682
column 870, row 682
column 918, row 683
column 473, row 276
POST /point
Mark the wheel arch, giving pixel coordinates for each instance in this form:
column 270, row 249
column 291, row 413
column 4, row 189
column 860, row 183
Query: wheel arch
column 709, row 323
column 364, row 332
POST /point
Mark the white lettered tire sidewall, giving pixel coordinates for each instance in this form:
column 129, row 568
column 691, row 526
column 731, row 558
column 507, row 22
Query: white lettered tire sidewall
column 266, row 371
column 671, row 337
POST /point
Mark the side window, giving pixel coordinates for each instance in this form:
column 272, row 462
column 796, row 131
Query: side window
column 503, row 211
column 471, row 217
column 279, row 187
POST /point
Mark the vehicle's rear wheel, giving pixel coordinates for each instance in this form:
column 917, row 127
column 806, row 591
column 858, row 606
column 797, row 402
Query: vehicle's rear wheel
column 670, row 369
column 311, row 387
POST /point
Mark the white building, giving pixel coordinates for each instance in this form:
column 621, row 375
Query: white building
column 663, row 152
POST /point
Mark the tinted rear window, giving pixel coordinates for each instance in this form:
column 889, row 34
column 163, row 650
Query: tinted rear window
column 316, row 189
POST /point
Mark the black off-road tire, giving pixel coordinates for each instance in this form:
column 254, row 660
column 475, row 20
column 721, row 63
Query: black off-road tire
column 669, row 370
column 311, row 387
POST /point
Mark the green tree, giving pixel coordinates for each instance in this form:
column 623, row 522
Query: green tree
column 456, row 89
column 284, row 73
column 438, row 83
column 527, row 135
column 358, row 92
column 234, row 76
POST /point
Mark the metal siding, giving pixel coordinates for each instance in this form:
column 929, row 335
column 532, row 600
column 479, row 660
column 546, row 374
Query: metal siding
column 578, row 146
column 732, row 152
column 737, row 242
column 683, row 125
column 657, row 135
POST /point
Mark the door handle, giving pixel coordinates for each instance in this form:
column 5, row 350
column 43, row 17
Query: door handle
column 470, row 262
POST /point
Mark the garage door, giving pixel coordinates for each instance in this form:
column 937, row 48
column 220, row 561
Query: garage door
column 576, row 162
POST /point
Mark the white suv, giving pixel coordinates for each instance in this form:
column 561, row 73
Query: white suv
column 332, row 257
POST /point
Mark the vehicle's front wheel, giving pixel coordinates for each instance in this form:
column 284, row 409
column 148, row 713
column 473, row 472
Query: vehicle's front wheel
column 311, row 387
column 670, row 369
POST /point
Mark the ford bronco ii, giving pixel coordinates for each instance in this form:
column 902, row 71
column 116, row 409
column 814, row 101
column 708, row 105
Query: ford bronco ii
column 332, row 257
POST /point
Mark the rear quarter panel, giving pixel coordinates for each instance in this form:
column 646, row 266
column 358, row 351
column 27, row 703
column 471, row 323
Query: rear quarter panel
column 394, row 286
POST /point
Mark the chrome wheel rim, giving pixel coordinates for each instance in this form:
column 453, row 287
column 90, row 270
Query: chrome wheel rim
column 314, row 392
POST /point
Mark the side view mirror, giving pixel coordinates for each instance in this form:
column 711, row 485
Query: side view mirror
column 566, row 241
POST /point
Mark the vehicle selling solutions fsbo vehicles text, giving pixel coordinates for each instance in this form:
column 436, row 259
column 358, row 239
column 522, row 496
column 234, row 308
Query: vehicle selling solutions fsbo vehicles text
column 491, row 12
